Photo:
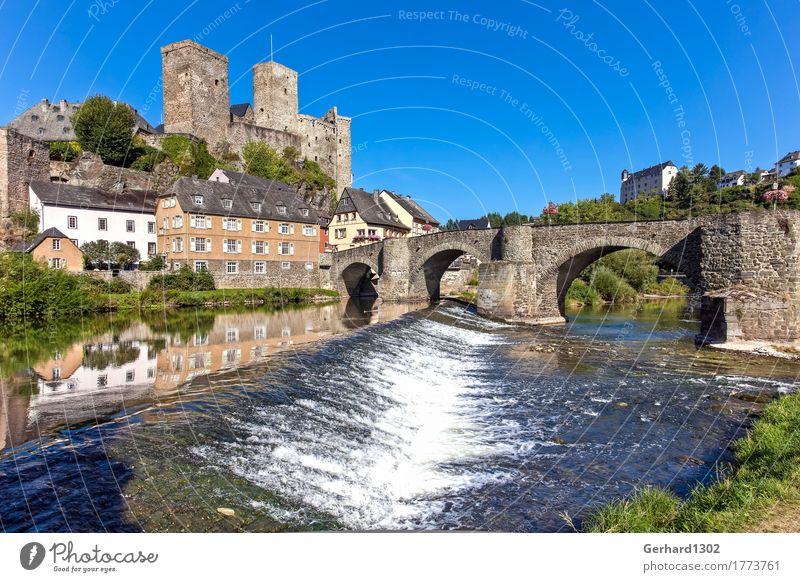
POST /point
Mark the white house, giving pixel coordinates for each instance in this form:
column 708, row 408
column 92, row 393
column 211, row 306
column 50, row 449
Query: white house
column 88, row 214
column 736, row 178
column 788, row 163
column 652, row 180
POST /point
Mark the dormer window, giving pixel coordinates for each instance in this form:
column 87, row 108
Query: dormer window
column 227, row 203
column 198, row 199
column 256, row 206
column 304, row 211
column 281, row 209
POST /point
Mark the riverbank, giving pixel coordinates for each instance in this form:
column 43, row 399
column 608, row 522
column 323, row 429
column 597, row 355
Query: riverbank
column 763, row 478
column 772, row 349
column 151, row 300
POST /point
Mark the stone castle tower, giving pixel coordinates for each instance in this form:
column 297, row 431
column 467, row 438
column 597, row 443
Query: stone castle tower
column 23, row 159
column 197, row 102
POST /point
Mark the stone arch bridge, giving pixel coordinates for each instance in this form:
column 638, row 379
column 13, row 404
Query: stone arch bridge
column 745, row 266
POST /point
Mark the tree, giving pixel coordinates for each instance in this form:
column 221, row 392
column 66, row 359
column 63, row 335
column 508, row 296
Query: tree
column 716, row 173
column 190, row 155
column 679, row 190
column 105, row 128
column 451, row 224
column 495, row 220
column 514, row 219
column 27, row 221
column 96, row 253
column 123, row 255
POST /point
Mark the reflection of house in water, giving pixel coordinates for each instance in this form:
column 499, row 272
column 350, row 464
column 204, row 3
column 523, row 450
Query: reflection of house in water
column 100, row 376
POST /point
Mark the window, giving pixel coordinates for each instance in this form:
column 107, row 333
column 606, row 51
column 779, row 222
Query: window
column 232, row 224
column 309, row 266
column 285, row 228
column 259, row 267
column 130, row 375
column 260, row 226
column 177, row 244
column 256, row 206
column 151, row 249
column 231, row 245
column 200, row 266
column 131, row 244
column 102, row 224
column 259, row 247
column 338, row 218
column 176, row 266
column 281, row 209
column 74, row 241
column 227, row 203
column 56, row 263
column 340, row 233
column 164, row 223
column 198, row 200
column 285, row 248
column 309, row 230
column 304, row 211
column 360, row 232
column 232, row 267
column 200, row 245
column 130, row 226
column 199, row 221
column 56, row 244
column 260, row 332
column 151, row 228
column 72, row 222
column 286, row 265
column 177, row 221
column 102, row 380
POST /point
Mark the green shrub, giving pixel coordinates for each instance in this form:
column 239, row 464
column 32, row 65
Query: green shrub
column 148, row 159
column 313, row 175
column 30, row 292
column 612, row 287
column 263, row 161
column 581, row 293
column 634, row 266
column 105, row 128
column 64, row 151
column 156, row 263
column 190, row 155
column 668, row 286
column 183, row 280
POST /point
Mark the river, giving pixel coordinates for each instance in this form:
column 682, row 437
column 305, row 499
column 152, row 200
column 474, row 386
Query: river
column 362, row 417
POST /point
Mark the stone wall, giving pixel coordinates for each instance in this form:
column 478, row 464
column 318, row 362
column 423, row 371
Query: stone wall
column 22, row 161
column 90, row 171
column 137, row 279
column 296, row 276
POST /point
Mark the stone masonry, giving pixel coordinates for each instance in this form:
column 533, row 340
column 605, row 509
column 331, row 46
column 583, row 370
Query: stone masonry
column 22, row 160
column 745, row 266
column 197, row 102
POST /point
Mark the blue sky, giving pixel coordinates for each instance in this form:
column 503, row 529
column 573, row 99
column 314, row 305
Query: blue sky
column 477, row 106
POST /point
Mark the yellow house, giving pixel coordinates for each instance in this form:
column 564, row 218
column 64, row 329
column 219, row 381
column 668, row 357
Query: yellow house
column 410, row 213
column 363, row 218
column 56, row 249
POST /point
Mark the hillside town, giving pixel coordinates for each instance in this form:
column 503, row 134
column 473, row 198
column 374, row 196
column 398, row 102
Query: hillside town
column 254, row 194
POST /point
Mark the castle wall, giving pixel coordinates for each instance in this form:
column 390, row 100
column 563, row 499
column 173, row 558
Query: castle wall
column 238, row 134
column 344, row 155
column 22, row 160
column 275, row 96
column 196, row 96
column 319, row 140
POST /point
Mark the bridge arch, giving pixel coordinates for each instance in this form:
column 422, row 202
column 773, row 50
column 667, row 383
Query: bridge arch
column 358, row 278
column 428, row 267
column 565, row 267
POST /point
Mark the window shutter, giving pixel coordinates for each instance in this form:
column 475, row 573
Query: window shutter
column 238, row 246
column 253, row 246
column 208, row 245
column 252, row 226
column 192, row 220
column 224, row 224
column 238, row 224
column 191, row 244
column 291, row 229
column 208, row 222
column 291, row 248
column 266, row 247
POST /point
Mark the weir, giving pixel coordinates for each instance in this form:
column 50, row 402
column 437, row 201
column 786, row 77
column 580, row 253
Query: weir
column 745, row 266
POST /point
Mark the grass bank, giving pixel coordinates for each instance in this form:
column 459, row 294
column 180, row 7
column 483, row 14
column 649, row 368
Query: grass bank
column 763, row 478
column 153, row 299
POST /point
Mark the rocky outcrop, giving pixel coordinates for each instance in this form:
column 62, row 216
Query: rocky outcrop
column 89, row 170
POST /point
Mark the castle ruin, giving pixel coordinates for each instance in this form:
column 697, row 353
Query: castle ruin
column 197, row 102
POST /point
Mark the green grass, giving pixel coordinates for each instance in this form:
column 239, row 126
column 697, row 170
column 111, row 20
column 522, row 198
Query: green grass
column 765, row 472
column 151, row 299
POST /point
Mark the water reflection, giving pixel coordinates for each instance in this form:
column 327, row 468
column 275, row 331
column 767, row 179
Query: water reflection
column 93, row 378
